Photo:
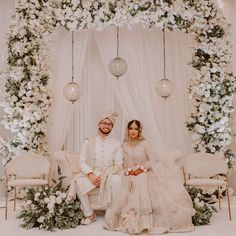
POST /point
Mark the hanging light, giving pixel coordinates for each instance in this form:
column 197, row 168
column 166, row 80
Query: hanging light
column 71, row 90
column 164, row 86
column 117, row 66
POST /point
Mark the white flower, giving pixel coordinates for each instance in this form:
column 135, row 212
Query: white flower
column 29, row 202
column 200, row 129
column 50, row 206
column 63, row 195
column 52, row 198
column 41, row 219
column 201, row 204
column 58, row 200
column 46, row 200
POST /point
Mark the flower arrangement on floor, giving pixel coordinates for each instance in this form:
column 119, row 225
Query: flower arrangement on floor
column 47, row 208
column 204, row 205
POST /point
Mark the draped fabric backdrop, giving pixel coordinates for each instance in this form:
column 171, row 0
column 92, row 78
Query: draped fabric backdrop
column 133, row 96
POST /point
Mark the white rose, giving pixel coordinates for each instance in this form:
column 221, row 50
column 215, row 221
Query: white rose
column 36, row 198
column 46, row 200
column 58, row 200
column 63, row 195
column 29, row 202
column 52, row 199
column 50, row 206
column 201, row 204
column 41, row 219
column 196, row 201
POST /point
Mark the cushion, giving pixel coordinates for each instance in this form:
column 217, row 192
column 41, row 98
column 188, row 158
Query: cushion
column 27, row 182
column 205, row 182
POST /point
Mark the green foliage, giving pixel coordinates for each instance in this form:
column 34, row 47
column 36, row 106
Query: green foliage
column 203, row 204
column 47, row 208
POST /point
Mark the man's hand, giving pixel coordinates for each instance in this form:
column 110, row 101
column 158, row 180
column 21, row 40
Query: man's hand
column 96, row 180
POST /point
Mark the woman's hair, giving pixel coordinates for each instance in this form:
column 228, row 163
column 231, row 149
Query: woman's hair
column 139, row 125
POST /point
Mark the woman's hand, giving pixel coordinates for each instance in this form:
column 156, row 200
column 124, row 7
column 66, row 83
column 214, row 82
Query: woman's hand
column 139, row 170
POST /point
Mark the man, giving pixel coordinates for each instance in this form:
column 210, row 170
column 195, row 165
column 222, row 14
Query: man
column 101, row 160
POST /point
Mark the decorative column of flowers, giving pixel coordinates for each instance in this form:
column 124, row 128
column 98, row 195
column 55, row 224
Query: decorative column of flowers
column 212, row 88
column 27, row 99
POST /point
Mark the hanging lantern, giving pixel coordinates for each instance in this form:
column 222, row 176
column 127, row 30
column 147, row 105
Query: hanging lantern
column 164, row 86
column 118, row 65
column 71, row 90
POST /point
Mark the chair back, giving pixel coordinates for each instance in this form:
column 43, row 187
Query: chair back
column 28, row 165
column 205, row 165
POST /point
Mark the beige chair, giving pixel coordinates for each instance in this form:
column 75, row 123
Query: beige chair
column 203, row 170
column 27, row 169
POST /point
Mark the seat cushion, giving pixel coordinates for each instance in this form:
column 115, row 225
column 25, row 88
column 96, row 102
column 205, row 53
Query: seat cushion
column 205, row 182
column 27, row 182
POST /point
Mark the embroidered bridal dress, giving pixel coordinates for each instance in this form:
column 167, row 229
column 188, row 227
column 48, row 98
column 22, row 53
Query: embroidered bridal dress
column 150, row 202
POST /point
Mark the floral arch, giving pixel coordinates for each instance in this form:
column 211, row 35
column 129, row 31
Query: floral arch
column 28, row 100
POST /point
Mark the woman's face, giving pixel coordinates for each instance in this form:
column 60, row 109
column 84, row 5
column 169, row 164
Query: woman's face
column 133, row 131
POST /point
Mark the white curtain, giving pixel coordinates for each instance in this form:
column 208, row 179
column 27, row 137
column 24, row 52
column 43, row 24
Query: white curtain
column 62, row 111
column 132, row 96
column 163, row 121
column 96, row 97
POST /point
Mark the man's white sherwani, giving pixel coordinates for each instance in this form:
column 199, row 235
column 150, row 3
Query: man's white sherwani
column 104, row 157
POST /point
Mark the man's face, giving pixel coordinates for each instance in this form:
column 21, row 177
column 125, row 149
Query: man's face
column 105, row 126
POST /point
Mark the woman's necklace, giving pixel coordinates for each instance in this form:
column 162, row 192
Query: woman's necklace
column 133, row 142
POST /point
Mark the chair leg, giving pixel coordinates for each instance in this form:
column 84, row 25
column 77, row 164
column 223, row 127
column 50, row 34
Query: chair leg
column 229, row 208
column 15, row 198
column 219, row 196
column 6, row 201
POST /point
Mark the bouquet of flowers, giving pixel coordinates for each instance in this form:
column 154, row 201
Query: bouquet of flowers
column 203, row 204
column 47, row 208
column 138, row 170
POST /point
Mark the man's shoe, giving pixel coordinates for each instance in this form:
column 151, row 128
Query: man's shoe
column 88, row 220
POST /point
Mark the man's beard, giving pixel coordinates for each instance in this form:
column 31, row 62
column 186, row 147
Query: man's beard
column 104, row 132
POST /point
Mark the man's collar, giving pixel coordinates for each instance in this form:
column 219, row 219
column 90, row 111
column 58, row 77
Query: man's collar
column 103, row 138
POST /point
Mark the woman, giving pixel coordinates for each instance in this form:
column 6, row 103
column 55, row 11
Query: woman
column 148, row 200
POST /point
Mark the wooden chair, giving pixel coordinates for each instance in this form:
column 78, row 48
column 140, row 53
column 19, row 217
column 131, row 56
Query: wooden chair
column 28, row 169
column 203, row 169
